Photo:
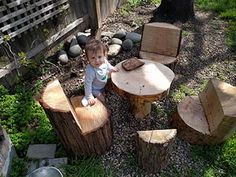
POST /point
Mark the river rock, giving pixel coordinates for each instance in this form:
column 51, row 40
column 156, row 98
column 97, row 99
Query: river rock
column 68, row 42
column 82, row 33
column 116, row 41
column 108, row 34
column 87, row 31
column 62, row 57
column 74, row 49
column 135, row 37
column 82, row 40
column 127, row 44
column 120, row 34
column 114, row 49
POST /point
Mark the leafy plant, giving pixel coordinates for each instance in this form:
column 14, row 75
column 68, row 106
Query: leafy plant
column 24, row 61
column 154, row 1
column 24, row 119
column 18, row 167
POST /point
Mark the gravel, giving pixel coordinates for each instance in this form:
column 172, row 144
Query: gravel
column 203, row 55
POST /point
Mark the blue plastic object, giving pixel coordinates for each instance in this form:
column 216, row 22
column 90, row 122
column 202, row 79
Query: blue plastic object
column 45, row 172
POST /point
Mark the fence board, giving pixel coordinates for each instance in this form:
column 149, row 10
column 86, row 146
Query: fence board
column 31, row 25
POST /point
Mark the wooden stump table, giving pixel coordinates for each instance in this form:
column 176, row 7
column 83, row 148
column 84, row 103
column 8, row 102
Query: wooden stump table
column 143, row 85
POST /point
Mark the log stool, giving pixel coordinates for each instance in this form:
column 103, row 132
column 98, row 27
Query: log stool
column 82, row 130
column 154, row 148
column 210, row 117
column 161, row 43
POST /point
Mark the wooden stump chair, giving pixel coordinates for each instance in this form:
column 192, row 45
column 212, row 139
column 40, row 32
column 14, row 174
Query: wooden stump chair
column 210, row 117
column 161, row 43
column 154, row 148
column 82, row 130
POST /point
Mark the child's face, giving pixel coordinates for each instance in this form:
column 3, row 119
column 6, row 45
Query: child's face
column 96, row 58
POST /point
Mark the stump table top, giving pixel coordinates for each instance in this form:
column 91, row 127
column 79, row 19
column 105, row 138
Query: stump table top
column 152, row 78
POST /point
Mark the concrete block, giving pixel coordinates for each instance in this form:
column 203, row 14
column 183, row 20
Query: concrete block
column 41, row 151
column 7, row 152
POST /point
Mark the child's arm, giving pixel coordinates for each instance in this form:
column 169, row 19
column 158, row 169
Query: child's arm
column 89, row 77
column 112, row 68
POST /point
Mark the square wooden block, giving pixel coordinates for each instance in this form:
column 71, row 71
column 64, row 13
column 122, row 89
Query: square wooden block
column 161, row 38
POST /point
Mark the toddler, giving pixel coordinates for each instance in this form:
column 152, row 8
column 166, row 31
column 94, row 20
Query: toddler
column 97, row 72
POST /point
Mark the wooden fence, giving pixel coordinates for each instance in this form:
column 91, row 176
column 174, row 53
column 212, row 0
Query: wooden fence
column 35, row 25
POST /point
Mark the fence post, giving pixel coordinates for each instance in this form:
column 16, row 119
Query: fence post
column 94, row 11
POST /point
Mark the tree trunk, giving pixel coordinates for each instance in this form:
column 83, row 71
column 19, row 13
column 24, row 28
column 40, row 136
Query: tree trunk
column 174, row 10
column 82, row 130
column 154, row 148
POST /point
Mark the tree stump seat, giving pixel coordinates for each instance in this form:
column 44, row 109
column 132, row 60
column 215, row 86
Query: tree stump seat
column 154, row 148
column 210, row 117
column 82, row 130
column 161, row 43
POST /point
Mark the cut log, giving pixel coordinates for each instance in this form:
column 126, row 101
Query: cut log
column 143, row 85
column 191, row 121
column 82, row 130
column 161, row 38
column 154, row 148
column 160, row 42
column 209, row 118
column 219, row 104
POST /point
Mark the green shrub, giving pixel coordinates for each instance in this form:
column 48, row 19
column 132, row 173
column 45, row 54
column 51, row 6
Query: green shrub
column 24, row 119
column 18, row 168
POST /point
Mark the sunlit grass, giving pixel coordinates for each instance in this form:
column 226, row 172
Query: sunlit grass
column 227, row 11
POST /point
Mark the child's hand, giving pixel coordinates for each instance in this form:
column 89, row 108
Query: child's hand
column 114, row 69
column 92, row 101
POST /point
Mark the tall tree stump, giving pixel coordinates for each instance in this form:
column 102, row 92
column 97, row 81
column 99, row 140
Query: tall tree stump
column 154, row 148
column 209, row 118
column 82, row 130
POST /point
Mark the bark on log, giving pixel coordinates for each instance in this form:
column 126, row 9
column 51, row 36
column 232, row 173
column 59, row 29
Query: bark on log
column 82, row 130
column 154, row 148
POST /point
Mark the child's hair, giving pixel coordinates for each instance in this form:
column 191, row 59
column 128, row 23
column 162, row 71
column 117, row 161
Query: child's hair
column 94, row 45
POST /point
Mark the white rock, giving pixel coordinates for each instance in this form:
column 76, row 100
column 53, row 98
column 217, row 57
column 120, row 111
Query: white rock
column 114, row 49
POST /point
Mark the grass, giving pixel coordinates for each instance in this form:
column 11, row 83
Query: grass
column 227, row 11
column 221, row 157
column 130, row 5
column 86, row 167
column 181, row 93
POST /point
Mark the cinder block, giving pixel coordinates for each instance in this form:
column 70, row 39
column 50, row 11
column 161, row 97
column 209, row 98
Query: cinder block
column 41, row 151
